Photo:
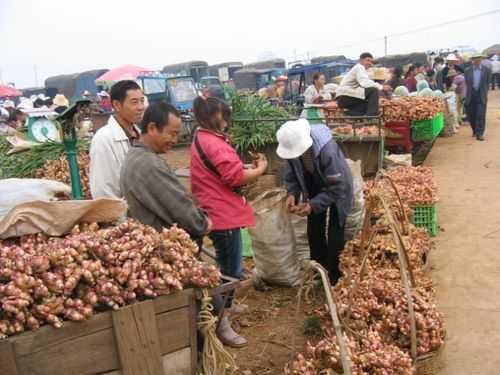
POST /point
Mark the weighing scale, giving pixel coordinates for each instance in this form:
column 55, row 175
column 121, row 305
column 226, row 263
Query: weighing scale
column 42, row 127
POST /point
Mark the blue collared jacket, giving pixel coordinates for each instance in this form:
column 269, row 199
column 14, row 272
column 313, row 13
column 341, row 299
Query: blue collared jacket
column 332, row 177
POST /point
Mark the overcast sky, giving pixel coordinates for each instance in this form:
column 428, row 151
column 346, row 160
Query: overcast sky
column 67, row 36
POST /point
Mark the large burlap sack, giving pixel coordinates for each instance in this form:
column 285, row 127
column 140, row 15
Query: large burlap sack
column 299, row 224
column 273, row 241
column 58, row 218
column 354, row 221
column 14, row 191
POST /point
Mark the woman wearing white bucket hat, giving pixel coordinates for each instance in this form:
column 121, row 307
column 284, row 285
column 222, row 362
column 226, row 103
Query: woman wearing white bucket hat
column 316, row 171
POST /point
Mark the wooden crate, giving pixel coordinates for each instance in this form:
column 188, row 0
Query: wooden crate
column 154, row 337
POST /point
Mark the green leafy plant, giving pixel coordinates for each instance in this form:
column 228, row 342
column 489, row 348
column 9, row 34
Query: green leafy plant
column 25, row 163
column 254, row 121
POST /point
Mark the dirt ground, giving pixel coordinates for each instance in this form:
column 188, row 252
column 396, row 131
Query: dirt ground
column 466, row 264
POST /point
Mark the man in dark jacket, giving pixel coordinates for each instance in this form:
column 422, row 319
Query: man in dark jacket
column 477, row 80
column 317, row 178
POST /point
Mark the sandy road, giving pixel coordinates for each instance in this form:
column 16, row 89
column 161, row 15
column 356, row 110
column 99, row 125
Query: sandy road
column 466, row 264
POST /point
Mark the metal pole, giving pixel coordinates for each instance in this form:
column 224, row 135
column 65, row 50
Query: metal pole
column 71, row 155
column 385, row 45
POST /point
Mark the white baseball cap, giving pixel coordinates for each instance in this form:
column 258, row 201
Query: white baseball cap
column 294, row 138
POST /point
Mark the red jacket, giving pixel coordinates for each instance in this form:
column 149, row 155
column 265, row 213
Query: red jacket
column 226, row 209
column 411, row 84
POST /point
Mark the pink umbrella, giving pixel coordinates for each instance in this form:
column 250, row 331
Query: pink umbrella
column 121, row 73
column 9, row 91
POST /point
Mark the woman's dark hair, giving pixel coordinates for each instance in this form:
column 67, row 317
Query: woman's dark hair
column 157, row 113
column 417, row 65
column 398, row 71
column 316, row 76
column 119, row 89
column 411, row 69
column 365, row 55
column 205, row 109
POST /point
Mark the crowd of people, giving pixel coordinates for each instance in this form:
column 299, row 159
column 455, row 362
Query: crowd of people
column 15, row 111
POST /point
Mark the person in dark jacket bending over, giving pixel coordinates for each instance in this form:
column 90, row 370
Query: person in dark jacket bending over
column 318, row 179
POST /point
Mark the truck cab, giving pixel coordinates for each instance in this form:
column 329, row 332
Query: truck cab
column 214, row 85
column 179, row 91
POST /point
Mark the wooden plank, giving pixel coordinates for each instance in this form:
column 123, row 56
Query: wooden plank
column 97, row 352
column 85, row 355
column 7, row 358
column 31, row 342
column 173, row 301
column 178, row 363
column 137, row 339
column 174, row 330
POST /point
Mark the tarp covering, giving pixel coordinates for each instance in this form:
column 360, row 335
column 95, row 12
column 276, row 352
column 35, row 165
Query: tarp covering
column 121, row 73
column 269, row 64
column 9, row 91
column 392, row 61
column 492, row 50
column 73, row 85
column 327, row 59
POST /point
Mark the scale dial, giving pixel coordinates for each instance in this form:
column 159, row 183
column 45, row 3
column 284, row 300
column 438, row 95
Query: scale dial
column 44, row 130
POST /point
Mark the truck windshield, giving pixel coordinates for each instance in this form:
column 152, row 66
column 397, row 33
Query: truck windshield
column 153, row 86
column 210, row 81
column 183, row 90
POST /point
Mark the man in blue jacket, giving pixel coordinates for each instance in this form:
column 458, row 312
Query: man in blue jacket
column 317, row 178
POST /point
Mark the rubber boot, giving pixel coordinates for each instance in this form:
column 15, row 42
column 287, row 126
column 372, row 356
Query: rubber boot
column 228, row 336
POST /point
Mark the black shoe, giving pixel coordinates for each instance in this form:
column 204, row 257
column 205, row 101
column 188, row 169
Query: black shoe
column 480, row 138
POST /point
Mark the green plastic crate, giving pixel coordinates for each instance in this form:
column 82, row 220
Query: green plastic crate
column 247, row 243
column 426, row 217
column 427, row 130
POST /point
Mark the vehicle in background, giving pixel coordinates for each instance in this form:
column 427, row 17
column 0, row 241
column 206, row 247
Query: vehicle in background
column 213, row 85
column 252, row 79
column 225, row 71
column 300, row 77
column 194, row 69
column 180, row 91
column 30, row 91
column 73, row 85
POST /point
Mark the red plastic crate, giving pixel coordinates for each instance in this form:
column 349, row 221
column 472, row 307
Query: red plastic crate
column 398, row 133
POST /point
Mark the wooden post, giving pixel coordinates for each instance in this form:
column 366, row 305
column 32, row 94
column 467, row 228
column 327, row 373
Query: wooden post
column 137, row 339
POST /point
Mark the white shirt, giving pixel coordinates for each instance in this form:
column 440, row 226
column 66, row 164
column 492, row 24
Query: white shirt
column 107, row 153
column 495, row 67
column 312, row 92
column 355, row 82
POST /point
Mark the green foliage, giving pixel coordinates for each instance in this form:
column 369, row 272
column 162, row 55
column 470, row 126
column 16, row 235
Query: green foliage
column 255, row 121
column 24, row 164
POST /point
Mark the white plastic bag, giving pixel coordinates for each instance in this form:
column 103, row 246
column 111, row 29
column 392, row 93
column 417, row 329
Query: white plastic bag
column 354, row 221
column 273, row 241
column 14, row 191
